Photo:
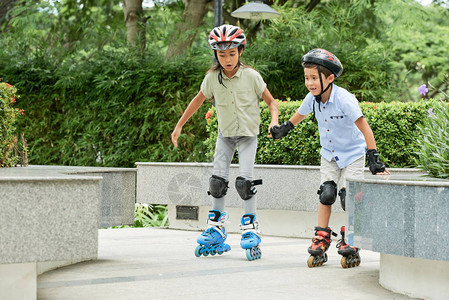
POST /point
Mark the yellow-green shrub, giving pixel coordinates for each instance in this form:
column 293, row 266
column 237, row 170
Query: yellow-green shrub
column 395, row 127
column 8, row 116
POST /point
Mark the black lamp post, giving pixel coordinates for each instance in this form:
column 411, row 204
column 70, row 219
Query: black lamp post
column 218, row 12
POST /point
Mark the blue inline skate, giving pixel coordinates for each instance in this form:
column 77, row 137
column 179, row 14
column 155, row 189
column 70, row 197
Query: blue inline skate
column 212, row 240
column 250, row 236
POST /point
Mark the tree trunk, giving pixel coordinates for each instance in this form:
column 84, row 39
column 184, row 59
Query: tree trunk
column 5, row 17
column 186, row 29
column 135, row 23
column 312, row 4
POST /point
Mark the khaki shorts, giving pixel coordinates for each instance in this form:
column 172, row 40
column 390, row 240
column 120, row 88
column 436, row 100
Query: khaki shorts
column 331, row 172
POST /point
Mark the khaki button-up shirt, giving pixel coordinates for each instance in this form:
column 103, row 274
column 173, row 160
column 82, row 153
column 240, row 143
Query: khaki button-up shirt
column 237, row 104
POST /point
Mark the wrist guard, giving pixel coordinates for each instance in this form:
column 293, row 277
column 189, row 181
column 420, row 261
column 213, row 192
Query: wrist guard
column 278, row 132
column 375, row 165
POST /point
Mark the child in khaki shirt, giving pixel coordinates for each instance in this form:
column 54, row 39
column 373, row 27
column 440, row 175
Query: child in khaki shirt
column 236, row 89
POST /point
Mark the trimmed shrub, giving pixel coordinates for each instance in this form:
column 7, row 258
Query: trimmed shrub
column 108, row 108
column 395, row 127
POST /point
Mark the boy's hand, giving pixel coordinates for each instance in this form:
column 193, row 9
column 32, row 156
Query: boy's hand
column 279, row 132
column 375, row 165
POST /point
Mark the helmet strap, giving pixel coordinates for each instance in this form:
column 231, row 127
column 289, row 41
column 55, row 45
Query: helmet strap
column 220, row 73
column 238, row 63
column 220, row 77
column 318, row 97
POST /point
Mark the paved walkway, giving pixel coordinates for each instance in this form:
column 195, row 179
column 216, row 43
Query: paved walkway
column 151, row 263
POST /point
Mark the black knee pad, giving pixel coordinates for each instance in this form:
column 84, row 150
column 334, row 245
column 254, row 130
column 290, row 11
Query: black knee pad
column 218, row 186
column 328, row 192
column 245, row 187
column 342, row 194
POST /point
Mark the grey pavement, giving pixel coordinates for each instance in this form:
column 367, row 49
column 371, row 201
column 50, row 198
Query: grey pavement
column 153, row 263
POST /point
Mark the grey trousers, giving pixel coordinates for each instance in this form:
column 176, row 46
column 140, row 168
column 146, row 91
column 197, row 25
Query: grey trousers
column 224, row 151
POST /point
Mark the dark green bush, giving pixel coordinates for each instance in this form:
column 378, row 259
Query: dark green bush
column 109, row 108
column 395, row 127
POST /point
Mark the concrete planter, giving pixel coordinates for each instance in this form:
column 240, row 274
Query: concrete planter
column 405, row 218
column 50, row 218
column 287, row 201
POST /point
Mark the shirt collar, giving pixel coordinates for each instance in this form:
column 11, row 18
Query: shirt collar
column 237, row 74
column 332, row 95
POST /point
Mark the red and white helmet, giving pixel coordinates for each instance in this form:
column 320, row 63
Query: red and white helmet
column 226, row 37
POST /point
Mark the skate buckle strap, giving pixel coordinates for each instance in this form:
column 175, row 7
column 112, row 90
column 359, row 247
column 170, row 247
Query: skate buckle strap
column 339, row 243
column 327, row 230
column 214, row 223
column 218, row 225
column 257, row 182
column 224, row 219
column 217, row 229
column 252, row 227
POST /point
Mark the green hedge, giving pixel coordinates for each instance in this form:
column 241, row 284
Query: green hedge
column 108, row 109
column 395, row 127
column 111, row 108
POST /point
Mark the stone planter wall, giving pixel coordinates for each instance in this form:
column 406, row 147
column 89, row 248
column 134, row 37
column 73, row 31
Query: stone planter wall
column 287, row 201
column 405, row 218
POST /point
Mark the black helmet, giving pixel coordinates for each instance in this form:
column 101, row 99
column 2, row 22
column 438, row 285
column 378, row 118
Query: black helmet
column 324, row 58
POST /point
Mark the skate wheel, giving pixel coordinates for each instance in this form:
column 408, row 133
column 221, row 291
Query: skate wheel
column 206, row 252
column 316, row 261
column 213, row 252
column 198, row 251
column 253, row 253
column 343, row 262
column 350, row 261
column 310, row 262
column 223, row 248
column 249, row 255
column 321, row 261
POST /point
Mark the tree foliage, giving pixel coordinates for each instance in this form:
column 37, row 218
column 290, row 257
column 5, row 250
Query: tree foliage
column 91, row 100
column 339, row 28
